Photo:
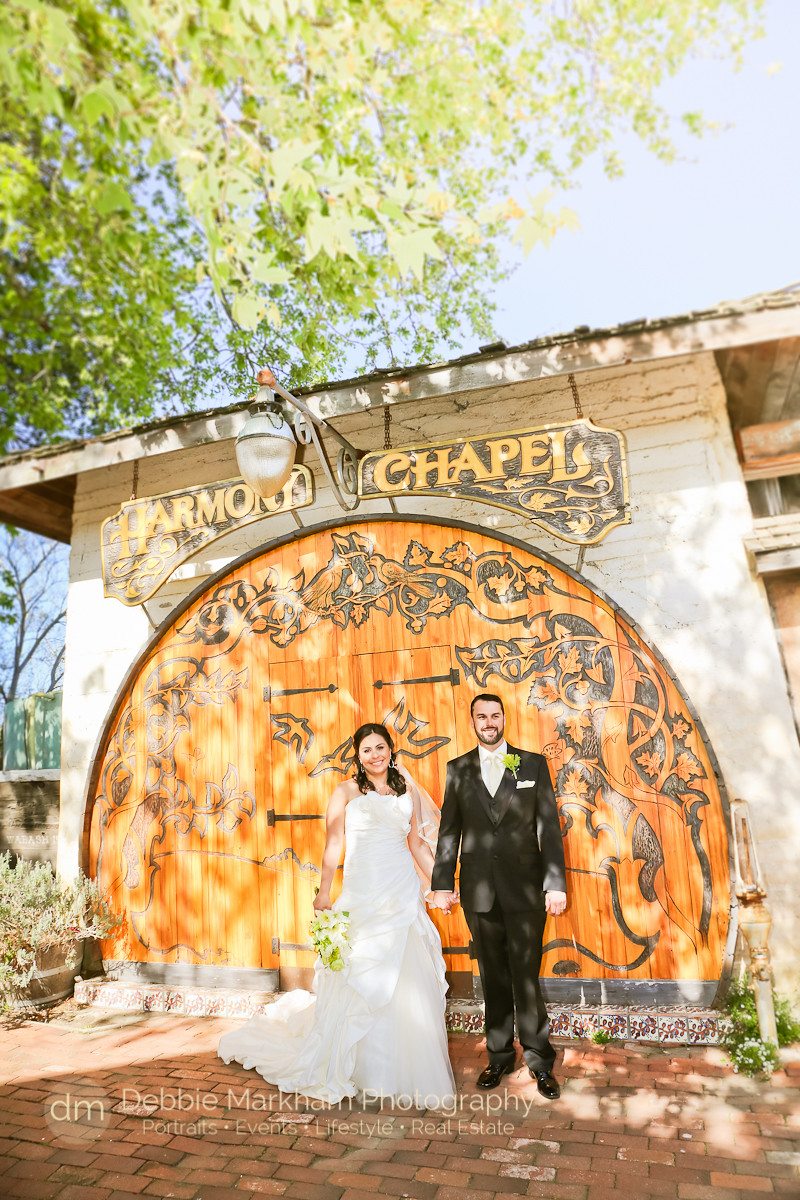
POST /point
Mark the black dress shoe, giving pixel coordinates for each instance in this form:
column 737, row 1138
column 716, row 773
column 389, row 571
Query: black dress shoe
column 493, row 1074
column 547, row 1084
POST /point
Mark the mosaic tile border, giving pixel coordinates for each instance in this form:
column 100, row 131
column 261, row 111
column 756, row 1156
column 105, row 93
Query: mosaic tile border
column 669, row 1026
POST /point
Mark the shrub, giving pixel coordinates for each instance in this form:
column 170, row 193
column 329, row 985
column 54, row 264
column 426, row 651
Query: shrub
column 601, row 1037
column 752, row 1056
column 788, row 1027
column 749, row 1053
column 38, row 912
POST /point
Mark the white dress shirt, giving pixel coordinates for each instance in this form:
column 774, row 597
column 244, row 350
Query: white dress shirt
column 492, row 766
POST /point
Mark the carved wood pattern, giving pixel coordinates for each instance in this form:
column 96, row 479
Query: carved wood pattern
column 195, row 821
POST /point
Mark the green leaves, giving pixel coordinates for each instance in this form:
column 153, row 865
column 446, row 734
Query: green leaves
column 539, row 224
column 178, row 181
column 247, row 311
column 101, row 101
column 411, row 251
column 113, row 196
column 39, row 912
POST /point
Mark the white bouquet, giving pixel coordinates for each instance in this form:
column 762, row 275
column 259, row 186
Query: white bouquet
column 329, row 937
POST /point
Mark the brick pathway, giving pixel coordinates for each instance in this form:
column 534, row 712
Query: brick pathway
column 630, row 1119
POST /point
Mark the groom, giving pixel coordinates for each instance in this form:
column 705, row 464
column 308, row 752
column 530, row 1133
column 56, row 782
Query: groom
column 512, row 875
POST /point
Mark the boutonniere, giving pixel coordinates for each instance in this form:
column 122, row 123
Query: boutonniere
column 511, row 761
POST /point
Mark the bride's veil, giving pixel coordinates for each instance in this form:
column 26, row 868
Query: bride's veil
column 425, row 810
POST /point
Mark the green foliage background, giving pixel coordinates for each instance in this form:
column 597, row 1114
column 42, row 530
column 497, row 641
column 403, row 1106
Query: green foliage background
column 193, row 188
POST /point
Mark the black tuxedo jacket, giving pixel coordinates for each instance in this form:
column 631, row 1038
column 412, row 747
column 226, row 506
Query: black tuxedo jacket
column 515, row 857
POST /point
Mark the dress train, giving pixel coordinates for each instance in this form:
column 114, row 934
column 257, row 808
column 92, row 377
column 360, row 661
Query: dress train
column 376, row 1028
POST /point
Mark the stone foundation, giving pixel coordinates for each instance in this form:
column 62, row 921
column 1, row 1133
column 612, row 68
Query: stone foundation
column 673, row 1026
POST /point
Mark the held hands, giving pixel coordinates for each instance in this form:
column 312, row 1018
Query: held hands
column 322, row 901
column 555, row 902
column 446, row 901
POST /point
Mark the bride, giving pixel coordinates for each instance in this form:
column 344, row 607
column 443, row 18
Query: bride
column 376, row 1027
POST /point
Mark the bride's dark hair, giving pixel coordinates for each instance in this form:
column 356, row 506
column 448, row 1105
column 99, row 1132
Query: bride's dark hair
column 395, row 780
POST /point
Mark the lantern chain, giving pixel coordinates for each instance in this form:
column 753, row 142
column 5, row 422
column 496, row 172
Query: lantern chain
column 575, row 396
column 135, row 483
column 387, row 427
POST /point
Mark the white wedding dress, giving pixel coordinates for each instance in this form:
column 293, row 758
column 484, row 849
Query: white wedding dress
column 378, row 1025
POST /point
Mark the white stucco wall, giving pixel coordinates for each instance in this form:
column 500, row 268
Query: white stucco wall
column 679, row 570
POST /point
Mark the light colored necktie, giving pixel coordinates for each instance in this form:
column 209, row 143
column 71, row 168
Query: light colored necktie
column 493, row 773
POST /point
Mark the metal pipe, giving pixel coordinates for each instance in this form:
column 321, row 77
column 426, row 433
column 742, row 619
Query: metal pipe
column 755, row 921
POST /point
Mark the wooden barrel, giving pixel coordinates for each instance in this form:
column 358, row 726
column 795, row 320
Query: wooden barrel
column 53, row 977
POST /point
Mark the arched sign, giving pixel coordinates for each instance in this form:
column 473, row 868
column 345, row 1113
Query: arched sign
column 205, row 816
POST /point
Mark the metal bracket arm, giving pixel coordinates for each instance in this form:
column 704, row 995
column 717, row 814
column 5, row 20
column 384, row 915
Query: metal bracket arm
column 320, row 422
column 348, row 459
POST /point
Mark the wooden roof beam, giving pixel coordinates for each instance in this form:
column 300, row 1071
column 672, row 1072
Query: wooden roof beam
column 42, row 510
column 769, row 451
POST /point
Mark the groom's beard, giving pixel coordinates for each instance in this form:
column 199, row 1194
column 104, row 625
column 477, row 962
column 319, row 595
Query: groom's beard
column 491, row 739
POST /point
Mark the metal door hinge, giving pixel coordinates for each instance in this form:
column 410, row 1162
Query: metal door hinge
column 270, row 692
column 453, row 677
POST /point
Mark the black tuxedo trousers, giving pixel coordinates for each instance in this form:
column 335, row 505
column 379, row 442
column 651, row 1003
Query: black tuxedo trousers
column 511, row 852
column 508, row 947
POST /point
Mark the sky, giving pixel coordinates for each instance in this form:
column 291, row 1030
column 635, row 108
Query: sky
column 721, row 224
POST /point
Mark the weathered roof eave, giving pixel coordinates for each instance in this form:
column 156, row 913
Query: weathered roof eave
column 636, row 342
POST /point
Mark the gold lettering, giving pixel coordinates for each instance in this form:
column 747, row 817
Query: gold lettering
column 398, row 465
column 435, row 463
column 285, row 498
column 467, row 460
column 211, row 512
column 602, row 483
column 501, row 451
column 158, row 516
column 538, row 454
column 530, row 464
column 242, row 507
column 124, row 532
column 277, row 503
column 183, row 512
column 561, row 473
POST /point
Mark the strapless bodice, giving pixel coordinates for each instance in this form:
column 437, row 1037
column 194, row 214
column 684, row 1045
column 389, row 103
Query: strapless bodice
column 376, row 851
column 369, row 811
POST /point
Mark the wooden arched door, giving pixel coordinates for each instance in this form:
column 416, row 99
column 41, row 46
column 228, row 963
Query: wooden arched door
column 206, row 815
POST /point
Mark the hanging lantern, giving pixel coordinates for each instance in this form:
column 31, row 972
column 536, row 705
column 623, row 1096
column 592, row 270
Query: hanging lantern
column 265, row 446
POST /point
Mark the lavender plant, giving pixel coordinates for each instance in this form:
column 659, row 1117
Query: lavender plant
column 39, row 912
